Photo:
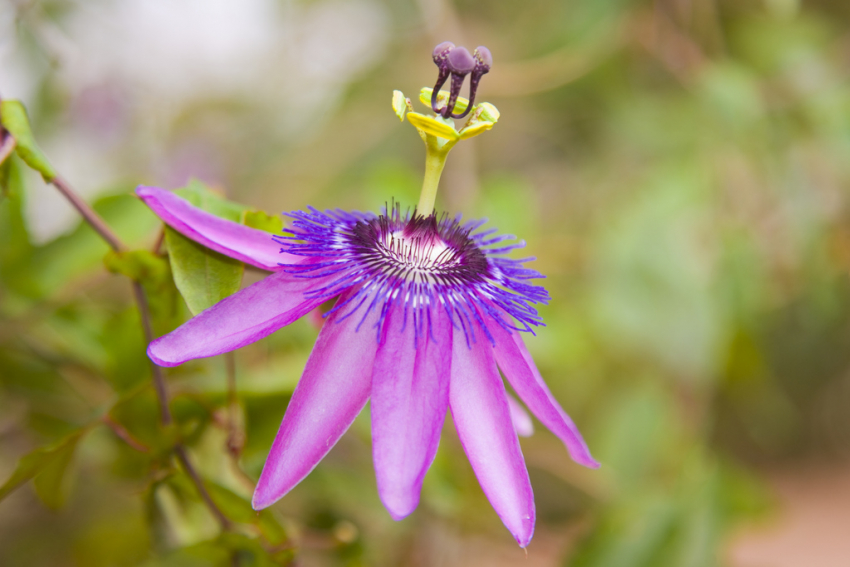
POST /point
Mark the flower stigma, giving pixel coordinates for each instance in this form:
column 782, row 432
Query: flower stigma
column 438, row 131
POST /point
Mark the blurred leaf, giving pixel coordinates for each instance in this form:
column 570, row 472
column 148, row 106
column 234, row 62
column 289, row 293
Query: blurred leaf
column 263, row 413
column 14, row 118
column 138, row 412
column 39, row 462
column 197, row 193
column 139, row 265
column 61, row 261
column 16, row 248
column 240, row 510
column 154, row 273
column 633, row 534
column 193, row 416
column 126, row 365
column 235, row 507
column 638, row 428
column 226, row 550
column 49, row 484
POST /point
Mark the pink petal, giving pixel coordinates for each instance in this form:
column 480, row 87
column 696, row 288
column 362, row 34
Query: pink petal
column 518, row 366
column 332, row 391
column 244, row 243
column 241, row 319
column 520, row 418
column 410, row 395
column 480, row 411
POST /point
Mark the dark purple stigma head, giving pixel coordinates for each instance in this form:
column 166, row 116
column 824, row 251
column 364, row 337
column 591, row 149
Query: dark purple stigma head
column 457, row 62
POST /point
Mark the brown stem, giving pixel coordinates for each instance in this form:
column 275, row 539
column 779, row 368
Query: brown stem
column 99, row 225
column 124, row 435
column 158, row 378
column 183, row 457
column 159, row 241
column 235, row 439
column 91, row 217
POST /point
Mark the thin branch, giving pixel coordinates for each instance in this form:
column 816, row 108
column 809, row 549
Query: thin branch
column 89, row 214
column 159, row 241
column 124, row 435
column 99, row 225
column 158, row 378
column 235, row 438
column 183, row 457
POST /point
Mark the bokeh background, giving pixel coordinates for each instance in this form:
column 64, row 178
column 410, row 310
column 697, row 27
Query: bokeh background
column 680, row 169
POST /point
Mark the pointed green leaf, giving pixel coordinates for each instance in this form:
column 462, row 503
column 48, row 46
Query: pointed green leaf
column 14, row 118
column 204, row 277
column 38, row 462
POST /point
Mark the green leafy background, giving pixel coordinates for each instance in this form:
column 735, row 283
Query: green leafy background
column 680, row 170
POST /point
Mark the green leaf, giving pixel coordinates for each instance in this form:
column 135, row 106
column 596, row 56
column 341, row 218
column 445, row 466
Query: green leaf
column 197, row 193
column 202, row 276
column 14, row 118
column 240, row 510
column 139, row 265
column 261, row 220
column 16, row 249
column 79, row 253
column 52, row 460
column 154, row 273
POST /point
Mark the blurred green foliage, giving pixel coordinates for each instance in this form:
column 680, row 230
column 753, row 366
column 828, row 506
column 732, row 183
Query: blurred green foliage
column 679, row 169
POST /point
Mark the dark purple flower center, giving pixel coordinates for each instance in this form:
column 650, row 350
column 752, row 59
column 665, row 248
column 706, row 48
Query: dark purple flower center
column 419, row 249
column 401, row 261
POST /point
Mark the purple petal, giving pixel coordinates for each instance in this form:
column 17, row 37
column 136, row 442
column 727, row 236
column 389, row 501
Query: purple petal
column 332, row 391
column 410, row 395
column 520, row 418
column 244, row 243
column 241, row 319
column 518, row 367
column 480, row 411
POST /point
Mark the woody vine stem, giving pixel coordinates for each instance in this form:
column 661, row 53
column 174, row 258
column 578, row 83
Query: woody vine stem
column 7, row 144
